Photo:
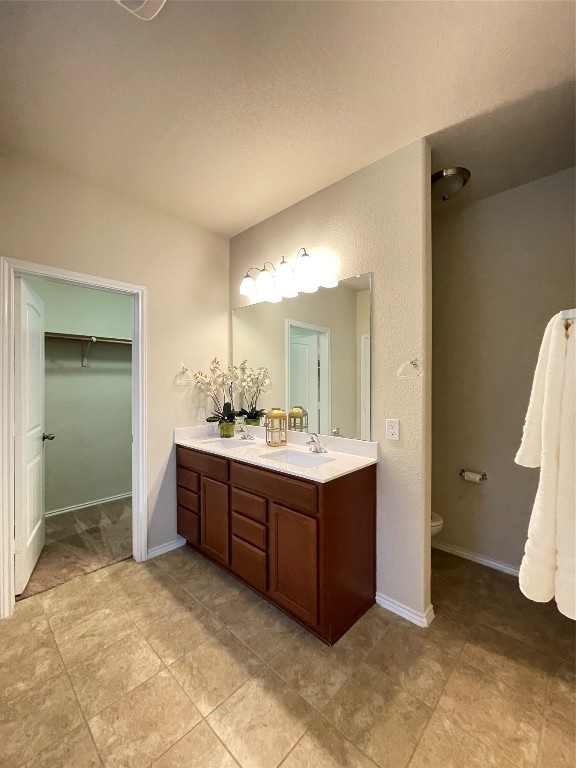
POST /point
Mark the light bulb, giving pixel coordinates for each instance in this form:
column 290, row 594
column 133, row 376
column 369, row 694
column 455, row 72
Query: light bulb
column 305, row 274
column 285, row 280
column 273, row 296
column 264, row 283
column 248, row 287
column 328, row 275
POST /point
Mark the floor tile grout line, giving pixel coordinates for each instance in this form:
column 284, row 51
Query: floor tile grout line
column 84, row 718
column 431, row 708
column 292, row 748
column 434, row 709
column 228, row 750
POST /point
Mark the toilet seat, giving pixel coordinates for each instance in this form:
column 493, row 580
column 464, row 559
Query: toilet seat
column 436, row 525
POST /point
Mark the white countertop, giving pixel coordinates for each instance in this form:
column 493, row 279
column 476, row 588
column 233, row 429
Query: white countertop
column 351, row 456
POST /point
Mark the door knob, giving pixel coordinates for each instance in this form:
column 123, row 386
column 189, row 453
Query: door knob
column 49, row 436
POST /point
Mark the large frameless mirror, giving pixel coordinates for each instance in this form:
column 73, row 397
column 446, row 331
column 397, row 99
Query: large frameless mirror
column 317, row 349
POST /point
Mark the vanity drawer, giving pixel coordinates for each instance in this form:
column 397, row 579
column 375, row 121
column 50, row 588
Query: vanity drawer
column 249, row 531
column 188, row 479
column 296, row 494
column 188, row 525
column 249, row 563
column 188, row 499
column 249, row 505
column 202, row 463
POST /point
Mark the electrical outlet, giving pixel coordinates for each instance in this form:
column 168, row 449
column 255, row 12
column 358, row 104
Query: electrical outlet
column 392, row 429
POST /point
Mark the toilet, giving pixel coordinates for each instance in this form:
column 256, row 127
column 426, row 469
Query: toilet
column 436, row 525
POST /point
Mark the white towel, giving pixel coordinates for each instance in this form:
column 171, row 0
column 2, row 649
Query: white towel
column 548, row 442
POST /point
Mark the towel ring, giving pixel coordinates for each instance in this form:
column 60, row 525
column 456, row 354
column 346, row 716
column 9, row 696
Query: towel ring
column 411, row 369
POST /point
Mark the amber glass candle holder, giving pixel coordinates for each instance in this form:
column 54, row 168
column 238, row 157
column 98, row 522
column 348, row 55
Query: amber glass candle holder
column 298, row 418
column 276, row 425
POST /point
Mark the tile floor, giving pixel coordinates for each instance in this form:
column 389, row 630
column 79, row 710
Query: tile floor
column 172, row 663
column 81, row 541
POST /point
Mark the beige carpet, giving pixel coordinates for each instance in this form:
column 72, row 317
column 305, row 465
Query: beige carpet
column 82, row 541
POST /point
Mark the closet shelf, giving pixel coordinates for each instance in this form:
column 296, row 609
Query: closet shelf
column 79, row 337
column 86, row 342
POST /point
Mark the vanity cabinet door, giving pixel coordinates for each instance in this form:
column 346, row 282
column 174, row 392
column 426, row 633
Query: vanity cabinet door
column 214, row 520
column 293, row 554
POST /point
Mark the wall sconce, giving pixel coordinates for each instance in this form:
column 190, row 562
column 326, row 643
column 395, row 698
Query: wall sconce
column 276, row 427
column 306, row 275
column 298, row 418
column 304, row 272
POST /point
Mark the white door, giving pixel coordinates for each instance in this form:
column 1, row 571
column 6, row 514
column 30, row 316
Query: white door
column 304, row 376
column 308, row 366
column 29, row 423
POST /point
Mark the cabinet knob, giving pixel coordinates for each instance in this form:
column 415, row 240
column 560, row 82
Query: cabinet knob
column 49, row 436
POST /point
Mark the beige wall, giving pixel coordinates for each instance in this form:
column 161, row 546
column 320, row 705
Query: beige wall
column 259, row 334
column 54, row 219
column 376, row 221
column 502, row 268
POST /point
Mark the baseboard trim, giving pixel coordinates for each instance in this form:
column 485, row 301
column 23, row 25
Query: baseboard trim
column 467, row 555
column 179, row 541
column 416, row 617
column 87, row 504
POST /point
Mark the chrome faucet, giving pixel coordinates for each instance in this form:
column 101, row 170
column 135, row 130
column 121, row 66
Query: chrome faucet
column 315, row 444
column 244, row 432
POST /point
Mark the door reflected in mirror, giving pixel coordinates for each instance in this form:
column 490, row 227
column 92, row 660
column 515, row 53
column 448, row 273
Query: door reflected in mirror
column 308, row 372
column 317, row 349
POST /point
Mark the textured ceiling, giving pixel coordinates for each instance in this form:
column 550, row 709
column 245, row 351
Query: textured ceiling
column 227, row 112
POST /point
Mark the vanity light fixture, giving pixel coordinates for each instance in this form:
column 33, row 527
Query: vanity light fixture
column 305, row 275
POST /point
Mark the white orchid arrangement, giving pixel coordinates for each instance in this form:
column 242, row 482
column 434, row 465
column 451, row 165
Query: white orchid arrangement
column 220, row 385
column 254, row 382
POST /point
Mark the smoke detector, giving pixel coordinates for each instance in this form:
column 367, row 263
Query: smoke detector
column 143, row 9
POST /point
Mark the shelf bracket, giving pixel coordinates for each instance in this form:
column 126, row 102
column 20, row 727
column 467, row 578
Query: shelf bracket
column 86, row 351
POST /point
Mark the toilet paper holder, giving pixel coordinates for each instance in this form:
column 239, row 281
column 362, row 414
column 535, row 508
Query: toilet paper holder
column 473, row 477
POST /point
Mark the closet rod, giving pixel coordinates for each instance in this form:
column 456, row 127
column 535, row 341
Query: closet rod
column 78, row 337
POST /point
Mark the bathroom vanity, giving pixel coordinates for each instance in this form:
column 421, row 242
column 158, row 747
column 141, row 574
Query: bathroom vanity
column 299, row 530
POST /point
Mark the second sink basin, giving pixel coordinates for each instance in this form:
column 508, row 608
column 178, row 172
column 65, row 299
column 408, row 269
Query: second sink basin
column 298, row 458
column 227, row 442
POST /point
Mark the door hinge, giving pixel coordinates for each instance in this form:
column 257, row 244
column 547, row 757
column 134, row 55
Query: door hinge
column 18, row 546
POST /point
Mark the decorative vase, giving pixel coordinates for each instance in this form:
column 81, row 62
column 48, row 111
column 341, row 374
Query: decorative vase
column 252, row 422
column 226, row 428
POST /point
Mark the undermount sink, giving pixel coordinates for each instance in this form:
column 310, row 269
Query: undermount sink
column 298, row 458
column 226, row 442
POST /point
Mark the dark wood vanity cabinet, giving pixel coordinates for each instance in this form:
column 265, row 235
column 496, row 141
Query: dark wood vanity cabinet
column 307, row 547
column 214, row 520
column 294, row 562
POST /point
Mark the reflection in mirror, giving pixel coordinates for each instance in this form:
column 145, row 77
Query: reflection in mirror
column 308, row 372
column 317, row 348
